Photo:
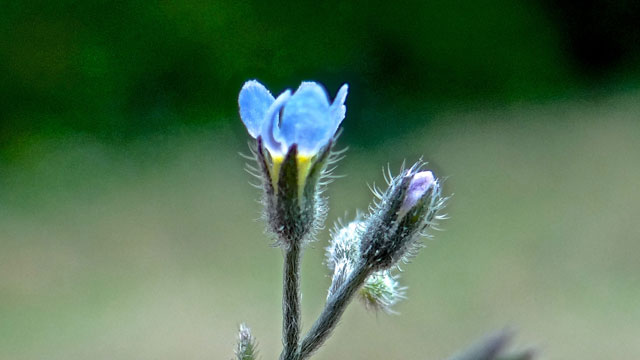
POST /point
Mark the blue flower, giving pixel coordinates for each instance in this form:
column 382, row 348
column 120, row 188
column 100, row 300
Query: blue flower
column 296, row 129
column 305, row 118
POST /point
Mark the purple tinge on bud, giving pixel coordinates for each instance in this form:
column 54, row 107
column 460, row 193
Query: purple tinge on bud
column 420, row 183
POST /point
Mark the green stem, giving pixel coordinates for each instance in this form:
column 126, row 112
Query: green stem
column 332, row 312
column 291, row 301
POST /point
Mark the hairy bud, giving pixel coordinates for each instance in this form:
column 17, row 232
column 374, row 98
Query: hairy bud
column 246, row 346
column 380, row 290
column 343, row 253
column 403, row 214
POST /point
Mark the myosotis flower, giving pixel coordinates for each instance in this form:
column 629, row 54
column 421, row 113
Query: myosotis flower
column 294, row 134
column 305, row 119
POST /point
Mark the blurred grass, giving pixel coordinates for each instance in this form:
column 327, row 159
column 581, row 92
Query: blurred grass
column 149, row 250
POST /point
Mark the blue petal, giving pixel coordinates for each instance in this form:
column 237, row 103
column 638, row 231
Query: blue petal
column 312, row 84
column 254, row 101
column 270, row 132
column 306, row 120
column 338, row 110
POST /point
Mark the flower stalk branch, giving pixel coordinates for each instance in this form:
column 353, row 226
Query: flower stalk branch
column 333, row 310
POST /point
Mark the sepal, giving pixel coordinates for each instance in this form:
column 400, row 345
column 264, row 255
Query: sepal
column 292, row 192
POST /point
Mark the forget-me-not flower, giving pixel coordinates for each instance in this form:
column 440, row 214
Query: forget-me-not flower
column 294, row 134
column 305, row 118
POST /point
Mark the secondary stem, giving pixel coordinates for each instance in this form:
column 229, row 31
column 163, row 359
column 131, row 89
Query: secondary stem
column 291, row 301
column 332, row 312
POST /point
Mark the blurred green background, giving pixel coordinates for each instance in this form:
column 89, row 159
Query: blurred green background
column 128, row 229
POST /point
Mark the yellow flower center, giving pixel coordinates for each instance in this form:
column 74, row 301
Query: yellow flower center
column 275, row 171
column 304, row 165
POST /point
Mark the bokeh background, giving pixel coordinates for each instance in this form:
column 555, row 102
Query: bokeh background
column 128, row 229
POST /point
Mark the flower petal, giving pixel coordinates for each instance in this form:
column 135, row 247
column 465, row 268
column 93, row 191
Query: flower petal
column 270, row 132
column 306, row 120
column 338, row 110
column 313, row 84
column 420, row 183
column 254, row 101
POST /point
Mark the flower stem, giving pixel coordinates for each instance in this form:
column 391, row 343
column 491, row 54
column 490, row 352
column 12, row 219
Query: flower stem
column 332, row 312
column 291, row 301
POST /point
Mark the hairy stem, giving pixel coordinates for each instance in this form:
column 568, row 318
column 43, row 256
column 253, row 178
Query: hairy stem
column 291, row 301
column 332, row 312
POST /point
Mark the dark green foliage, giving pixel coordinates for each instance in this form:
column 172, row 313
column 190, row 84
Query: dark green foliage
column 124, row 68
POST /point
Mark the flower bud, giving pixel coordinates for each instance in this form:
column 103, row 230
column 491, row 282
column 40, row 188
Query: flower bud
column 345, row 244
column 405, row 211
column 246, row 347
column 343, row 253
column 381, row 291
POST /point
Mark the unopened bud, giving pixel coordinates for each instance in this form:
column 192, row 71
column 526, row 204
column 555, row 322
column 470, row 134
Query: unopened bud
column 343, row 253
column 405, row 211
column 246, row 346
column 381, row 291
